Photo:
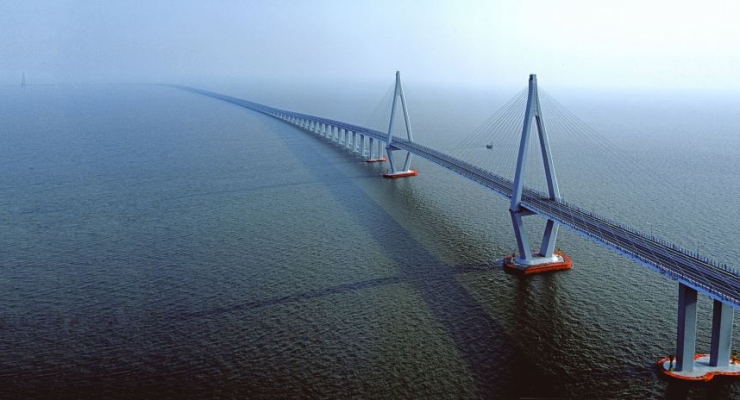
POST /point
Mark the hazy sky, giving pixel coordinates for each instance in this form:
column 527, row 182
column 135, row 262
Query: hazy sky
column 625, row 43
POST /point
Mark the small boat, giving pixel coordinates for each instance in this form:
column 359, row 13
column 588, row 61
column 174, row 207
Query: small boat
column 489, row 145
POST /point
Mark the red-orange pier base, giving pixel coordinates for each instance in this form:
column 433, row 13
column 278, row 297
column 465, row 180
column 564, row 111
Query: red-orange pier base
column 510, row 265
column 702, row 371
column 376, row 159
column 403, row 174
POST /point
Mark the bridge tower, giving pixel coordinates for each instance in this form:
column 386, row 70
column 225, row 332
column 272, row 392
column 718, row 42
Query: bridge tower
column 547, row 259
column 406, row 171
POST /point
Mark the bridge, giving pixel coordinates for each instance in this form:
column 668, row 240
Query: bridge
column 694, row 273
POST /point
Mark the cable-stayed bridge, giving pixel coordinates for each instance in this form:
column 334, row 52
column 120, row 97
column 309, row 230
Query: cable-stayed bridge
column 695, row 273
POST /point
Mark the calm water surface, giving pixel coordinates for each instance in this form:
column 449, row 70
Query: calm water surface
column 160, row 244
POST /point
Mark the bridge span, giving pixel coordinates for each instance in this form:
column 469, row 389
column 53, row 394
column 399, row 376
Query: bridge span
column 694, row 273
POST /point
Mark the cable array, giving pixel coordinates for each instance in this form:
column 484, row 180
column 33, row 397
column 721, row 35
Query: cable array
column 381, row 114
column 494, row 145
column 585, row 161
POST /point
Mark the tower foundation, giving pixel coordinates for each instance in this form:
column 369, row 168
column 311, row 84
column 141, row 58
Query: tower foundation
column 537, row 264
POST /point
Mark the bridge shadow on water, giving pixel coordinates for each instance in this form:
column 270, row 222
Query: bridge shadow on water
column 497, row 366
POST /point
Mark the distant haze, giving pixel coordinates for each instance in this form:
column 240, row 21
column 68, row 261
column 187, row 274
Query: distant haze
column 625, row 43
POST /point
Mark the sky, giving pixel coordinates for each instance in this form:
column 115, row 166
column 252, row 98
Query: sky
column 471, row 43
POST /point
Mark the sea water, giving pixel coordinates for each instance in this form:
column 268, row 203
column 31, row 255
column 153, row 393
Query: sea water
column 156, row 243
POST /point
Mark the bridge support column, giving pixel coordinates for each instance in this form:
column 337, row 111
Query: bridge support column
column 406, row 171
column 546, row 259
column 354, row 142
column 378, row 155
column 701, row 367
column 362, row 146
column 686, row 332
column 722, row 316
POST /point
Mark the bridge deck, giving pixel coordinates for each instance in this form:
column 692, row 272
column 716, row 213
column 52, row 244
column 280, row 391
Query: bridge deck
column 718, row 282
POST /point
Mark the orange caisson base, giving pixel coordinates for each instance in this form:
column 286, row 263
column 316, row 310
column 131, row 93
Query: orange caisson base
column 404, row 174
column 511, row 266
column 376, row 160
column 697, row 376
